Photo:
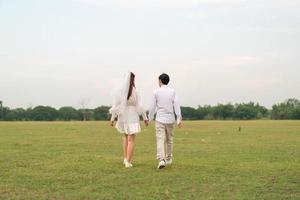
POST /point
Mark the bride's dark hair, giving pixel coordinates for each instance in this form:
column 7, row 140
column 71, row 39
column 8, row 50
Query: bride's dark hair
column 131, row 85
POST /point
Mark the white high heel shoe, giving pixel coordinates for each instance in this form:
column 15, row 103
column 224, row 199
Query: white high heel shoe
column 127, row 164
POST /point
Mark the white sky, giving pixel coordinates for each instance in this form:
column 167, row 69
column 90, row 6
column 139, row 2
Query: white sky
column 60, row 52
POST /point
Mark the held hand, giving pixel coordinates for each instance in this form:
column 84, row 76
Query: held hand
column 146, row 122
column 112, row 123
column 180, row 125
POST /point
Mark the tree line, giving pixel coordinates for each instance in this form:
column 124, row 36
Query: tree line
column 289, row 109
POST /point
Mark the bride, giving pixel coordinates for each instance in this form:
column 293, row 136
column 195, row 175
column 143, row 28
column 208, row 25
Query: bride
column 126, row 107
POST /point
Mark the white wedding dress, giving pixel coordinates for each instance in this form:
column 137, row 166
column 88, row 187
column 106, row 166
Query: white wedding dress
column 129, row 121
column 128, row 111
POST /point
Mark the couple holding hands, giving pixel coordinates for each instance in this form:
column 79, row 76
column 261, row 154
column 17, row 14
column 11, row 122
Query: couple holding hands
column 127, row 109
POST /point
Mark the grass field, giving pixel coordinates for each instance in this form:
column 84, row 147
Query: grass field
column 213, row 160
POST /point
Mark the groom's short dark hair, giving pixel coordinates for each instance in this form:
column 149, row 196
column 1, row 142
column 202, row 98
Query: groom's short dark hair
column 164, row 78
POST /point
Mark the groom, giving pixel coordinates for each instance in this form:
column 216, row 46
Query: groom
column 165, row 103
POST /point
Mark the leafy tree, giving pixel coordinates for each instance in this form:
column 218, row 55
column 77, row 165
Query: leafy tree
column 248, row 111
column 296, row 113
column 3, row 111
column 86, row 114
column 286, row 110
column 223, row 111
column 69, row 113
column 101, row 113
column 189, row 113
column 18, row 114
column 289, row 109
column 44, row 113
column 205, row 112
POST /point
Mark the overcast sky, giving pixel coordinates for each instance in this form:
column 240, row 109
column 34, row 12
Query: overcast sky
column 63, row 52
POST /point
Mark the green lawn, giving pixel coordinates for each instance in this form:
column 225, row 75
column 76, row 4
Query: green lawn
column 212, row 160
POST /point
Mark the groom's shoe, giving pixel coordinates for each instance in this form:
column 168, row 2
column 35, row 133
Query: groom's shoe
column 161, row 164
column 169, row 161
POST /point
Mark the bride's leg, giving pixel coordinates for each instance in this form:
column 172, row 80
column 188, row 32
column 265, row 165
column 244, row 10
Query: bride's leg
column 130, row 148
column 125, row 145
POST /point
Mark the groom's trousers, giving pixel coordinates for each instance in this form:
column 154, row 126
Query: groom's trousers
column 164, row 140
